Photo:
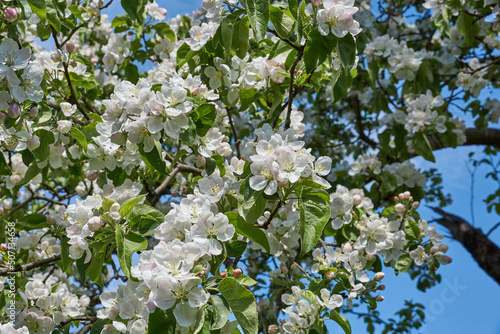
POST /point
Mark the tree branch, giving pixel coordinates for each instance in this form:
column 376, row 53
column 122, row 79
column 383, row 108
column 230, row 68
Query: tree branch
column 29, row 266
column 484, row 251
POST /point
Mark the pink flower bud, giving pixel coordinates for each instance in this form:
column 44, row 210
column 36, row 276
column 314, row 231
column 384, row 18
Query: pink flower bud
column 223, row 274
column 10, row 14
column 449, row 259
column 33, row 143
column 330, row 275
column 356, row 199
column 347, row 248
column 273, row 329
column 396, row 199
column 94, row 223
column 33, row 112
column 237, row 272
column 14, row 110
column 91, row 176
column 415, row 204
column 200, row 161
column 407, row 194
column 316, row 3
column 401, row 196
column 70, row 47
column 196, row 91
column 2, row 211
column 379, row 276
column 15, row 178
column 381, row 287
column 119, row 138
column 434, row 249
column 379, row 298
column 3, row 247
column 2, row 116
column 400, row 208
column 370, row 257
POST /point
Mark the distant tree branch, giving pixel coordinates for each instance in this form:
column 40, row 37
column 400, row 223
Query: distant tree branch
column 29, row 266
column 484, row 251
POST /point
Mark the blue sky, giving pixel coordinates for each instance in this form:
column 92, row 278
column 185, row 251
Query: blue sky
column 467, row 299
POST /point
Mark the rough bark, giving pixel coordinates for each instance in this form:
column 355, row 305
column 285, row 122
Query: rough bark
column 485, row 252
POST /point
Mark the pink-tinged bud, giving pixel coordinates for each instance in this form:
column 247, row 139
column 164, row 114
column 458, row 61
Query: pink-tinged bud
column 33, row 112
column 443, row 248
column 400, row 208
column 415, row 205
column 434, row 249
column 91, row 176
column 396, row 199
column 237, row 272
column 14, row 110
column 200, row 161
column 381, row 287
column 410, row 198
column 94, row 60
column 449, row 259
column 356, row 199
column 316, row 3
column 70, row 47
column 33, row 143
column 401, row 196
column 4, row 247
column 379, row 298
column 370, row 257
column 407, row 194
column 273, row 329
column 50, row 219
column 15, row 178
column 10, row 14
column 282, row 184
column 119, row 138
column 2, row 116
column 347, row 248
column 330, row 275
column 81, row 9
column 223, row 274
column 94, row 223
column 204, row 272
column 2, row 211
column 379, row 276
column 422, row 234
column 196, row 91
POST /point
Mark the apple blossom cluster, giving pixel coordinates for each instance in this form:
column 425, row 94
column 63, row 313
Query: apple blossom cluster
column 403, row 61
column 472, row 80
column 406, row 174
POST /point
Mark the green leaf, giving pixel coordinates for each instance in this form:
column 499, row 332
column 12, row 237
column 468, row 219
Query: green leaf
column 227, row 28
column 132, row 73
column 241, row 37
column 314, row 215
column 317, row 49
column 52, row 17
column 134, row 8
column 121, row 19
column 442, row 22
column 468, row 27
column 154, row 158
column 26, row 9
column 250, row 231
column 80, row 137
column 129, row 204
column 236, row 248
column 38, row 7
column 203, row 118
column 282, row 20
column 341, row 82
column 341, row 320
column 251, row 203
column 4, row 167
column 242, row 303
column 46, row 138
column 184, row 54
column 65, row 259
column 161, row 321
column 258, row 16
column 404, row 263
column 32, row 171
column 30, row 222
column 221, row 312
column 246, row 280
column 411, row 229
column 127, row 245
column 423, row 147
column 346, row 49
column 94, row 271
column 98, row 326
